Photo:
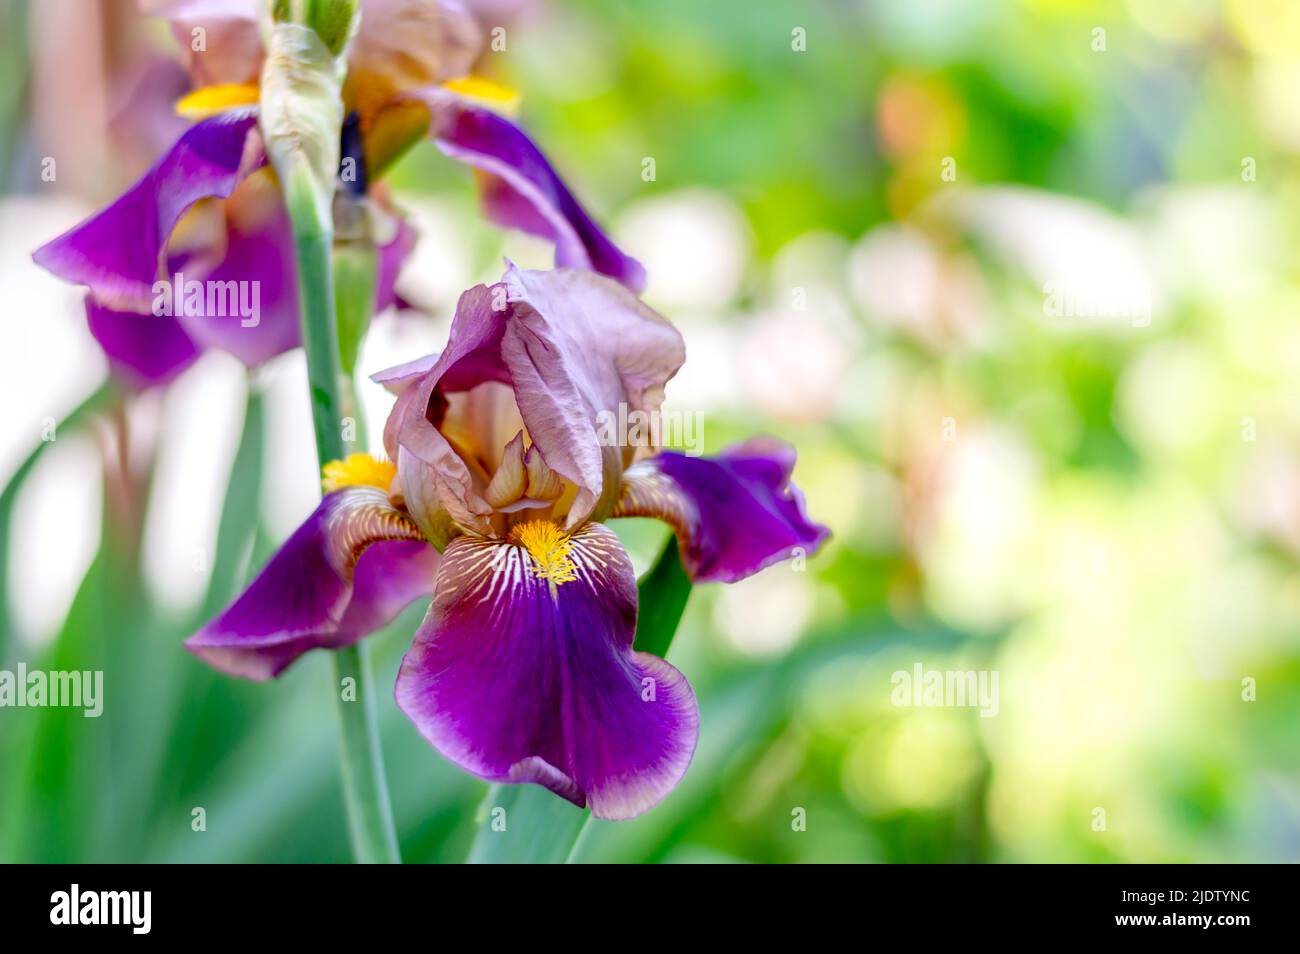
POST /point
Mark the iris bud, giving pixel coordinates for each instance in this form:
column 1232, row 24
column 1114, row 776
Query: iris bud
column 301, row 91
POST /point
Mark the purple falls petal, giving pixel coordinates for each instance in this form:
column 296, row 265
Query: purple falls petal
column 517, row 682
column 117, row 252
column 255, row 317
column 521, row 190
column 347, row 571
column 142, row 349
column 734, row 514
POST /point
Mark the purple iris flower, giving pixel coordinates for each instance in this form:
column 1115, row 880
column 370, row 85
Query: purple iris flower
column 209, row 211
column 523, row 668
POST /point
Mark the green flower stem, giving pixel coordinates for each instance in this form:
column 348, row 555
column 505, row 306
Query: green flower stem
column 370, row 817
column 313, row 237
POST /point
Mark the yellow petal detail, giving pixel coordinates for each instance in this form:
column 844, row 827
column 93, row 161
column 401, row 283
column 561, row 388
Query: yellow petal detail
column 357, row 470
column 488, row 92
column 211, row 100
column 548, row 545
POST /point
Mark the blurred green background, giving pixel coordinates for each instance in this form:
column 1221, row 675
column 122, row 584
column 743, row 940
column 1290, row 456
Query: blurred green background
column 862, row 241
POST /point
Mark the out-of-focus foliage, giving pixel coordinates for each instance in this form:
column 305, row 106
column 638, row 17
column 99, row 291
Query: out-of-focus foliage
column 885, row 230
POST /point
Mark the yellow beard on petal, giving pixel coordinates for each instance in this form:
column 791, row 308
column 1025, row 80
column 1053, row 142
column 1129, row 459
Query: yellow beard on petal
column 486, row 92
column 548, row 545
column 357, row 470
column 211, row 100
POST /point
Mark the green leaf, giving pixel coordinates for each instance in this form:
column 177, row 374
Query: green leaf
column 526, row 824
column 75, row 791
column 663, row 593
column 170, row 733
column 72, row 420
column 239, row 511
column 54, row 756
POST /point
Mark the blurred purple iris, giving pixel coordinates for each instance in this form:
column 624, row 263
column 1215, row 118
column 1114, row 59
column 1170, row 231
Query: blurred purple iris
column 209, row 211
column 523, row 669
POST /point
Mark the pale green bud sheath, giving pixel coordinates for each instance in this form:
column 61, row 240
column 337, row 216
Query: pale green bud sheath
column 302, row 105
column 301, row 117
column 333, row 21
